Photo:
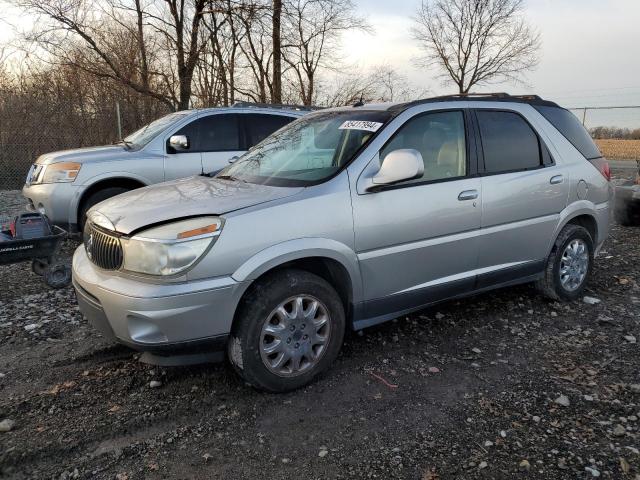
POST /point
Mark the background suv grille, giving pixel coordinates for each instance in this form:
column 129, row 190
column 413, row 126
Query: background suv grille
column 102, row 249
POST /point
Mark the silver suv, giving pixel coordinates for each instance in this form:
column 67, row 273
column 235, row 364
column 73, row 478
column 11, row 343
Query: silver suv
column 64, row 185
column 346, row 218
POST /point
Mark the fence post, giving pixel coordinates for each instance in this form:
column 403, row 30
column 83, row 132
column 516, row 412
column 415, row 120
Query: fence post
column 120, row 120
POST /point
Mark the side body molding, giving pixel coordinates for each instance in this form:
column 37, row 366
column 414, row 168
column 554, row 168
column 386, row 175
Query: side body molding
column 299, row 248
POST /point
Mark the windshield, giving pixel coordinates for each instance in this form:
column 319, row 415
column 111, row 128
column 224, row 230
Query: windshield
column 309, row 150
column 141, row 137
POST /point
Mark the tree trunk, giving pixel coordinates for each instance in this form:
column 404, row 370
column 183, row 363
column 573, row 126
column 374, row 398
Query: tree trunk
column 277, row 53
column 185, row 92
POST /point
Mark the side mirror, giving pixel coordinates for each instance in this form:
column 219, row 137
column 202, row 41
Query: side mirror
column 179, row 142
column 397, row 166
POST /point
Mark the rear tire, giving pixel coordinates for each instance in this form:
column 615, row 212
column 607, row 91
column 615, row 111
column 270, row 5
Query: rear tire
column 39, row 266
column 569, row 265
column 629, row 215
column 279, row 343
column 622, row 216
column 96, row 198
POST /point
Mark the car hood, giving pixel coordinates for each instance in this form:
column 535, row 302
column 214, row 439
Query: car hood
column 182, row 198
column 84, row 155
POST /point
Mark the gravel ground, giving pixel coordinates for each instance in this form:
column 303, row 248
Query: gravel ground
column 503, row 385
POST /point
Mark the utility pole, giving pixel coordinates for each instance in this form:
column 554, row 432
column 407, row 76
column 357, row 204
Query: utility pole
column 119, row 120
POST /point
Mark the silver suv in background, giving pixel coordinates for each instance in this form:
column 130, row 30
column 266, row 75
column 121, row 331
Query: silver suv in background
column 346, row 218
column 64, row 185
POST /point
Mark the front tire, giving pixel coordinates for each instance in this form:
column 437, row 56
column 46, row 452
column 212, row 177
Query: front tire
column 569, row 265
column 289, row 328
column 96, row 198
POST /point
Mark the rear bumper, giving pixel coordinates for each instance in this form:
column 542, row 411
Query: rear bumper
column 603, row 215
column 58, row 201
column 158, row 318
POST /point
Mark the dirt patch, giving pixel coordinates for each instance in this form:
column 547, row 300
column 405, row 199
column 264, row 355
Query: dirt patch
column 500, row 385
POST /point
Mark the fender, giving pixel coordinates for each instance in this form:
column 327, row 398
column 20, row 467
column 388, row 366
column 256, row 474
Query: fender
column 113, row 175
column 573, row 210
column 296, row 249
column 75, row 201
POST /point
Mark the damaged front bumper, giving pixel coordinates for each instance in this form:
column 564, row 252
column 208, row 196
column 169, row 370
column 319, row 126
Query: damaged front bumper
column 160, row 318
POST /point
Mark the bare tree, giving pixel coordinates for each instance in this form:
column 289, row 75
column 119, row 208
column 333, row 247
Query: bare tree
column 475, row 42
column 380, row 83
column 115, row 39
column 276, row 23
column 313, row 29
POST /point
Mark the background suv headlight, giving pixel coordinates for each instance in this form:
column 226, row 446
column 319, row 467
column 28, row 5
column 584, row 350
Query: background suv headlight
column 62, row 172
column 170, row 248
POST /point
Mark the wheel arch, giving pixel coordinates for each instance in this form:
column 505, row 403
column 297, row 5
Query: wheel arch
column 589, row 223
column 338, row 266
column 118, row 181
column 584, row 214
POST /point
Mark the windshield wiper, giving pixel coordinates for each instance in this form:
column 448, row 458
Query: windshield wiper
column 231, row 177
column 126, row 143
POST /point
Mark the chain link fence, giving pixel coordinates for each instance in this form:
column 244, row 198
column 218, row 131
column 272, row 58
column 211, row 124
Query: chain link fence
column 623, row 117
column 30, row 128
column 616, row 130
column 27, row 134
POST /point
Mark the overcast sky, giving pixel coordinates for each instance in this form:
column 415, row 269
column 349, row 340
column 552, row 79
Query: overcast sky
column 590, row 50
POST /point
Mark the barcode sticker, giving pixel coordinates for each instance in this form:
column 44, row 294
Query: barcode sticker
column 360, row 125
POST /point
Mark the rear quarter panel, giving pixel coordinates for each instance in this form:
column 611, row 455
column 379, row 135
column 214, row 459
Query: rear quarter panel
column 595, row 200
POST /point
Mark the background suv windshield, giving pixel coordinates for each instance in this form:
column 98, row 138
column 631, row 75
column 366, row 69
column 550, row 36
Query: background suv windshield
column 309, row 150
column 141, row 137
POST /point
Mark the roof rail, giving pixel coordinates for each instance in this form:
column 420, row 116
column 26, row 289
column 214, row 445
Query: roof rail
column 274, row 105
column 488, row 97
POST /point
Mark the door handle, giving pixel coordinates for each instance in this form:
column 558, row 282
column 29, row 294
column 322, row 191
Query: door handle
column 556, row 179
column 468, row 195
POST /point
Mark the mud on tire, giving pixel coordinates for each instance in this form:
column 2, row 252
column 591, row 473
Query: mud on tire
column 550, row 284
column 245, row 348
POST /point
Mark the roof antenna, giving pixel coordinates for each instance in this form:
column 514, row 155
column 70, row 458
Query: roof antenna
column 360, row 102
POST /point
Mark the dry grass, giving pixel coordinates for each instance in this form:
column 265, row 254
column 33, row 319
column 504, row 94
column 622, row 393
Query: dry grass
column 620, row 149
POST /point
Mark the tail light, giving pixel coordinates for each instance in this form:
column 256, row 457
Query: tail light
column 603, row 167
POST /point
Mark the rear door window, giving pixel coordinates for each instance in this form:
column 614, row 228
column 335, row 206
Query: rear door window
column 571, row 128
column 260, row 126
column 508, row 142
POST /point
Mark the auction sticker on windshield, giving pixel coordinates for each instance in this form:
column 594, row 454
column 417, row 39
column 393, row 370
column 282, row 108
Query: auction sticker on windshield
column 360, row 125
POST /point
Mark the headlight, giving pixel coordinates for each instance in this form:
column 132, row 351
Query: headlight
column 63, row 172
column 172, row 248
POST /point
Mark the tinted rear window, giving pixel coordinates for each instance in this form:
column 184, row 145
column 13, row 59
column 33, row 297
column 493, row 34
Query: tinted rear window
column 218, row 133
column 260, row 126
column 508, row 142
column 569, row 126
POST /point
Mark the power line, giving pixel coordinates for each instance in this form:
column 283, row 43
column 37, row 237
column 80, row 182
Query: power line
column 592, row 89
column 603, row 108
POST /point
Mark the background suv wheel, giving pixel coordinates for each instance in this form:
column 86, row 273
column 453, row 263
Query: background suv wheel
column 569, row 264
column 289, row 328
column 96, row 198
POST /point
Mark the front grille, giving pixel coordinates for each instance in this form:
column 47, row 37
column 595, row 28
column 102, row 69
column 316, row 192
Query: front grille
column 102, row 249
